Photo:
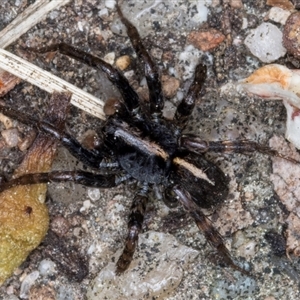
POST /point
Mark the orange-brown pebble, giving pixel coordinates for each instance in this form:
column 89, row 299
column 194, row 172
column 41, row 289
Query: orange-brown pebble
column 236, row 3
column 170, row 85
column 271, row 74
column 7, row 82
column 291, row 34
column 206, row 40
column 123, row 62
column 284, row 4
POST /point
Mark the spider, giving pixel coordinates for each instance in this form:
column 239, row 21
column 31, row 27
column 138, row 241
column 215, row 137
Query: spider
column 139, row 144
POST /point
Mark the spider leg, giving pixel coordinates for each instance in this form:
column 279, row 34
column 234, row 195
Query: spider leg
column 151, row 70
column 79, row 177
column 135, row 222
column 186, row 106
column 196, row 145
column 130, row 97
column 92, row 158
column 204, row 224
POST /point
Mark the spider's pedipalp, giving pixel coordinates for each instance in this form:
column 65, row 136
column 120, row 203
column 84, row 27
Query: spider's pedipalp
column 186, row 106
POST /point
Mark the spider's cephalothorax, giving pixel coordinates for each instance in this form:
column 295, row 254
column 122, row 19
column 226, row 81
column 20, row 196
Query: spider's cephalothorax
column 141, row 145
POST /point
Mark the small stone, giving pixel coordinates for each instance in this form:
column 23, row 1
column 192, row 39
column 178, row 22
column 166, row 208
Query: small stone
column 46, row 267
column 110, row 58
column 110, row 4
column 265, row 42
column 278, row 15
column 60, row 226
column 7, row 82
column 94, row 194
column 170, row 85
column 123, row 62
column 103, row 13
column 11, row 137
column 291, row 34
column 285, row 4
column 28, row 281
column 206, row 40
column 8, row 123
column 236, row 3
column 42, row 292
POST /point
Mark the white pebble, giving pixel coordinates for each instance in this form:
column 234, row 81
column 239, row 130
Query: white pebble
column 103, row 13
column 265, row 42
column 11, row 137
column 110, row 4
column 27, row 283
column 94, row 194
column 110, row 58
column 46, row 267
column 86, row 205
column 279, row 15
column 11, row 297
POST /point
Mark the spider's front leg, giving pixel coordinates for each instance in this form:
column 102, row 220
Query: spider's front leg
column 130, row 97
column 204, row 224
column 151, row 69
column 199, row 146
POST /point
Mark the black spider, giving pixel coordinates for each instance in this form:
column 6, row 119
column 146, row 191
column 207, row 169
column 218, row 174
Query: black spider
column 142, row 145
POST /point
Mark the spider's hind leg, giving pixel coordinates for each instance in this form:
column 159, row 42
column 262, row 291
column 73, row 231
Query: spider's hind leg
column 135, row 223
column 204, row 224
column 197, row 145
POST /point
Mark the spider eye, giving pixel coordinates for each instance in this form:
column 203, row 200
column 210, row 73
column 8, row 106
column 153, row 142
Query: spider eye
column 170, row 198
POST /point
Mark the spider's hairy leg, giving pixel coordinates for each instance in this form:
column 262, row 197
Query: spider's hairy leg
column 92, row 158
column 204, row 224
column 186, row 106
column 130, row 97
column 135, row 223
column 151, row 70
column 79, row 177
column 197, row 145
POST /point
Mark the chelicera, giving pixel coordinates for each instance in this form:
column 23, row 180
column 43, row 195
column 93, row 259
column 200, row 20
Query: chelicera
column 140, row 144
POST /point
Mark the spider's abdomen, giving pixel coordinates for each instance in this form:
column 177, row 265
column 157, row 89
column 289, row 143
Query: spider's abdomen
column 206, row 182
column 139, row 155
